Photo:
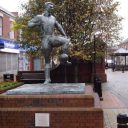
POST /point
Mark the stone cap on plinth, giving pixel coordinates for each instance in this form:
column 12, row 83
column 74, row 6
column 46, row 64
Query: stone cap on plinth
column 48, row 89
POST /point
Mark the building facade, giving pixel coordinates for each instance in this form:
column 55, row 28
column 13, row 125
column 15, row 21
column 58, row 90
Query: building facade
column 9, row 47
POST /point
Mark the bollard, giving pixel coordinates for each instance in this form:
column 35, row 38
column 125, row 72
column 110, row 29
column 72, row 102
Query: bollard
column 122, row 120
column 122, row 126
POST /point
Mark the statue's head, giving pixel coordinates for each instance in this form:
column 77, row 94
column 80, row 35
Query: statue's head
column 49, row 6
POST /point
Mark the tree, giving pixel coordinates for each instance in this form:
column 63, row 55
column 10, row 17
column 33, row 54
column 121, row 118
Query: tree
column 80, row 19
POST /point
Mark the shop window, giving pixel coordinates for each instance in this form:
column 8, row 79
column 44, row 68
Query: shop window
column 11, row 31
column 1, row 26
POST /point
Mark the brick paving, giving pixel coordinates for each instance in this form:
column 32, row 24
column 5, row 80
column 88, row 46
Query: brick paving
column 110, row 117
column 115, row 95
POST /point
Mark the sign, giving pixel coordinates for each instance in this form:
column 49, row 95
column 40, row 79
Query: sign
column 9, row 44
column 1, row 46
column 42, row 120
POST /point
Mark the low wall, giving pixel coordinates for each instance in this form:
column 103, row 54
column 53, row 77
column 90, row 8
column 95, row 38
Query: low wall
column 78, row 72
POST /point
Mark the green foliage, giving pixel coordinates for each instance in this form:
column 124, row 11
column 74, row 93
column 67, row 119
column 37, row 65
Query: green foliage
column 4, row 85
column 76, row 17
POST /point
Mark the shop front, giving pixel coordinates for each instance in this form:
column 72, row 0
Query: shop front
column 9, row 57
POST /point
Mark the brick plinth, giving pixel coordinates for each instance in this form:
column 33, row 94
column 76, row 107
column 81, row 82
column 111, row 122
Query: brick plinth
column 47, row 101
column 59, row 117
column 64, row 110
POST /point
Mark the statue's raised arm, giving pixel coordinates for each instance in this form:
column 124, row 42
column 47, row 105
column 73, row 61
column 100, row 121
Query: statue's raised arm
column 36, row 21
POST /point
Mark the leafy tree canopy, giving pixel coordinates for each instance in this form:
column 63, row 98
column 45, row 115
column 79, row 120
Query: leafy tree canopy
column 81, row 19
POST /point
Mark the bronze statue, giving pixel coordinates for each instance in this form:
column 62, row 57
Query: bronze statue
column 47, row 22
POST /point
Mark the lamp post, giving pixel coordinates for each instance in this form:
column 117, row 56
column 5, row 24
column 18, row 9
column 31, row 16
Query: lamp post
column 95, row 35
column 96, row 32
column 96, row 81
column 94, row 58
column 94, row 62
column 93, row 40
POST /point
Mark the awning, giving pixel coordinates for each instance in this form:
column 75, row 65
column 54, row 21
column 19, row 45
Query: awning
column 121, row 52
column 1, row 45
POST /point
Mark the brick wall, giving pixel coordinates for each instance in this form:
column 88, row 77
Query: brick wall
column 100, row 71
column 47, row 101
column 6, row 26
column 59, row 117
column 85, row 72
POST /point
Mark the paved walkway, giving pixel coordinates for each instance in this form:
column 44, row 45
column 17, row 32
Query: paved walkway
column 115, row 95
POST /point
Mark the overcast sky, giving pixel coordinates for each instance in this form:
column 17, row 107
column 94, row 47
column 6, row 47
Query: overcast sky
column 14, row 5
column 123, row 11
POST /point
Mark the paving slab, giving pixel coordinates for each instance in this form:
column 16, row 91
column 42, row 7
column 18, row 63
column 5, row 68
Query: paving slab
column 115, row 95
